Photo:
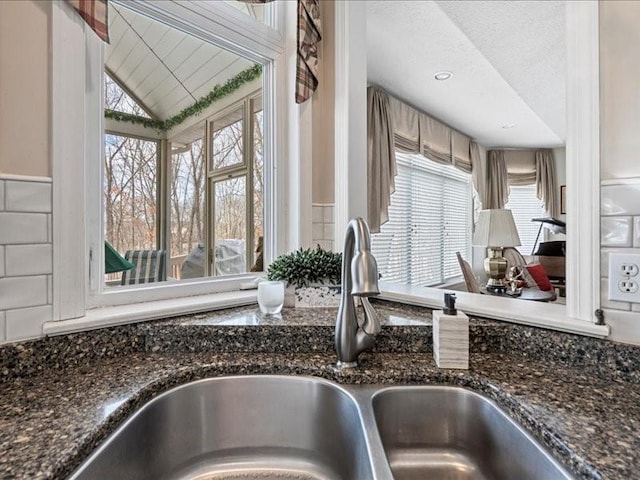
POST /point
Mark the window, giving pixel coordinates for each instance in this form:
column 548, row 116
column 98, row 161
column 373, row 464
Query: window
column 183, row 158
column 429, row 221
column 525, row 205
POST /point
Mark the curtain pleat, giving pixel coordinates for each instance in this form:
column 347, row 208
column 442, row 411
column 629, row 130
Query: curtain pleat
column 546, row 188
column 381, row 158
column 521, row 166
column 479, row 173
column 497, row 180
column 435, row 139
column 406, row 125
column 461, row 151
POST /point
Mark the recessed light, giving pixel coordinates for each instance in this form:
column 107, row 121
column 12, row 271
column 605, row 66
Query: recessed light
column 508, row 125
column 443, row 75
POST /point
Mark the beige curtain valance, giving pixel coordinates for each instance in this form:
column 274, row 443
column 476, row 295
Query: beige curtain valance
column 462, row 155
column 406, row 125
column 522, row 167
column 435, row 139
column 418, row 132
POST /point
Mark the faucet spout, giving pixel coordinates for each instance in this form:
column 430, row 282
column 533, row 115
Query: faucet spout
column 359, row 279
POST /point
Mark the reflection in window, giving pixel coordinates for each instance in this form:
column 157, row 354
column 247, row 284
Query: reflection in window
column 187, row 205
column 183, row 169
column 230, row 228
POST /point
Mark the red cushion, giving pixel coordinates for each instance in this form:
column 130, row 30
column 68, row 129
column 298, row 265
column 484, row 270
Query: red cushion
column 540, row 276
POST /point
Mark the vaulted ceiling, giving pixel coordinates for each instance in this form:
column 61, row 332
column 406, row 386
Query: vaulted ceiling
column 164, row 69
column 507, row 59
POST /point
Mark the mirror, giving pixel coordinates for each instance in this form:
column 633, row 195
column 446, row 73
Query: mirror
column 494, row 72
column 183, row 155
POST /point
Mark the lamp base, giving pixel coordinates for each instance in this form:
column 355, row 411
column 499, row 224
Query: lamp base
column 495, row 266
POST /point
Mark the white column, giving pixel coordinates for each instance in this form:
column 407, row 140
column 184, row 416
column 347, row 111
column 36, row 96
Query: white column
column 583, row 160
column 350, row 114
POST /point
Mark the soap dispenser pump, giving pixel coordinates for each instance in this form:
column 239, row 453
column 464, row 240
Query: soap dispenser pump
column 450, row 335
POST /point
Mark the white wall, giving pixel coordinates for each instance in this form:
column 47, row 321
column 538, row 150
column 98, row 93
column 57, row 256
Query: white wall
column 620, row 148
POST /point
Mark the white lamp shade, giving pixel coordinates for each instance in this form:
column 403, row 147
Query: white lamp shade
column 496, row 228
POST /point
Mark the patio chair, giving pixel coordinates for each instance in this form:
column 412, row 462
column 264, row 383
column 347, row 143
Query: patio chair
column 150, row 267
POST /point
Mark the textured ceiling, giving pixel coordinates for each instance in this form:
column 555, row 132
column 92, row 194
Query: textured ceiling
column 508, row 60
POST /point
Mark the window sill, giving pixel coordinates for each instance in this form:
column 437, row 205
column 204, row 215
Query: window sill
column 139, row 312
column 536, row 314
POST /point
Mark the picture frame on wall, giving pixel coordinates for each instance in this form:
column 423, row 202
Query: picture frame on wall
column 563, row 199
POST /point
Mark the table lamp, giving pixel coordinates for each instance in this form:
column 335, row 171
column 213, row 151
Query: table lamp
column 495, row 230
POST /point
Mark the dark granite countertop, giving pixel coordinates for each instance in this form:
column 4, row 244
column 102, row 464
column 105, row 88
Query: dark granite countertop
column 61, row 397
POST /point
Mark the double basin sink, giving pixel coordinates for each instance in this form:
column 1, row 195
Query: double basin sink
column 303, row 428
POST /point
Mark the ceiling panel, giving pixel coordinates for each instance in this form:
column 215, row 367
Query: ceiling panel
column 163, row 67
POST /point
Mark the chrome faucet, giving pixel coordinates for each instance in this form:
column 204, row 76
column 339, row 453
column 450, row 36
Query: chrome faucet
column 359, row 279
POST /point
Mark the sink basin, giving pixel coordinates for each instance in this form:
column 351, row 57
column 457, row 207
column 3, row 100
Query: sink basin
column 449, row 433
column 253, row 427
column 303, row 428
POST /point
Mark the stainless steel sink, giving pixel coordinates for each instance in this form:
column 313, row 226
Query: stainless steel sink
column 449, row 433
column 254, row 427
column 300, row 428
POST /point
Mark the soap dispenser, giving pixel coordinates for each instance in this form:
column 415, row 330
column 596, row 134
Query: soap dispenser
column 450, row 335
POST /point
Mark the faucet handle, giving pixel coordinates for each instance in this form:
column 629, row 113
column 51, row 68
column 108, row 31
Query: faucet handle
column 371, row 323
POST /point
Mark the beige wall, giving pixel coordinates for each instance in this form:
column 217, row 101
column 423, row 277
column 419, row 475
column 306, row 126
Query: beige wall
column 620, row 89
column 24, row 87
column 323, row 113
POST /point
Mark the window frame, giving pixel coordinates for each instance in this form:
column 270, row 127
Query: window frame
column 77, row 66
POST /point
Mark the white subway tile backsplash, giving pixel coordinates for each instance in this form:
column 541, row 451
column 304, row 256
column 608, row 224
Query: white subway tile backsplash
column 328, row 214
column 616, row 231
column 1, row 195
column 28, row 259
column 1, row 261
column 620, row 199
column 27, row 322
column 28, row 197
column 18, row 228
column 636, row 231
column 18, row 292
column 604, row 298
column 317, row 232
column 50, row 289
column 328, row 231
column 317, row 212
column 3, row 335
column 635, row 307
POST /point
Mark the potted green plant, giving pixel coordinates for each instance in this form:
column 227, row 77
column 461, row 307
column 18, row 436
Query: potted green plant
column 313, row 277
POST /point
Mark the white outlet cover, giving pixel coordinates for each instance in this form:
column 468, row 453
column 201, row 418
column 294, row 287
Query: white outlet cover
column 624, row 277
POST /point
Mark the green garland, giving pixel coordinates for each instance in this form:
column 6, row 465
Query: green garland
column 217, row 93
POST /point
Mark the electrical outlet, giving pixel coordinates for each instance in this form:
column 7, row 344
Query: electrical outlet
column 628, row 286
column 624, row 277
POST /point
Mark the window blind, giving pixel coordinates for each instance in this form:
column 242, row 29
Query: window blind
column 524, row 206
column 429, row 221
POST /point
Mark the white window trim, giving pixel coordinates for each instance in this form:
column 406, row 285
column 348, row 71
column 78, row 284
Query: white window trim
column 583, row 171
column 77, row 56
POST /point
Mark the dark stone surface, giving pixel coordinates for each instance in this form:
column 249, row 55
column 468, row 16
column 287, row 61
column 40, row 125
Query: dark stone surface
column 62, row 396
